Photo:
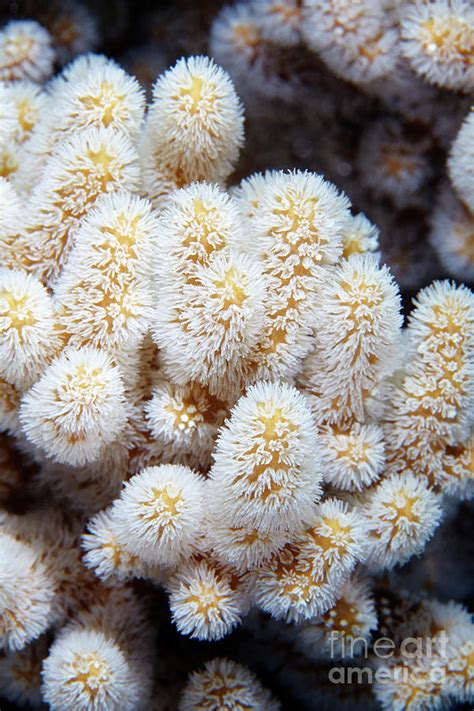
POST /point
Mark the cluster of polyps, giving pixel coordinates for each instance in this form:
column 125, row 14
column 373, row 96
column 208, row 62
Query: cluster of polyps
column 214, row 382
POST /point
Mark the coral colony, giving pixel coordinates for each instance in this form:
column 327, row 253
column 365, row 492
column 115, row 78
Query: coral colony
column 217, row 423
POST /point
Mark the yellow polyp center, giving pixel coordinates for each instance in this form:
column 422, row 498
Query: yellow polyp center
column 361, row 293
column 403, row 511
column 273, row 439
column 17, row 50
column 337, row 538
column 111, row 310
column 362, row 298
column 200, row 210
column 18, row 312
column 101, row 158
column 221, row 693
column 232, row 289
column 371, row 48
column 196, row 407
column 116, row 553
column 91, row 672
column 202, row 232
column 295, row 574
column 354, row 450
column 269, row 421
column 85, row 382
column 353, row 245
column 113, row 305
column 406, row 509
column 247, row 538
column 198, row 97
column 186, row 413
column 162, row 503
column 207, row 599
column 170, row 502
column 289, row 13
column 300, row 589
column 276, row 424
column 195, row 91
column 447, row 383
column 8, row 163
column 106, row 102
column 270, row 490
column 450, row 319
column 278, row 336
column 452, row 35
column 416, row 691
column 90, row 183
column 298, row 211
column 246, row 35
column 438, row 393
column 299, row 248
column 24, row 115
column 125, row 232
column 343, row 617
column 185, row 416
column 300, row 567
